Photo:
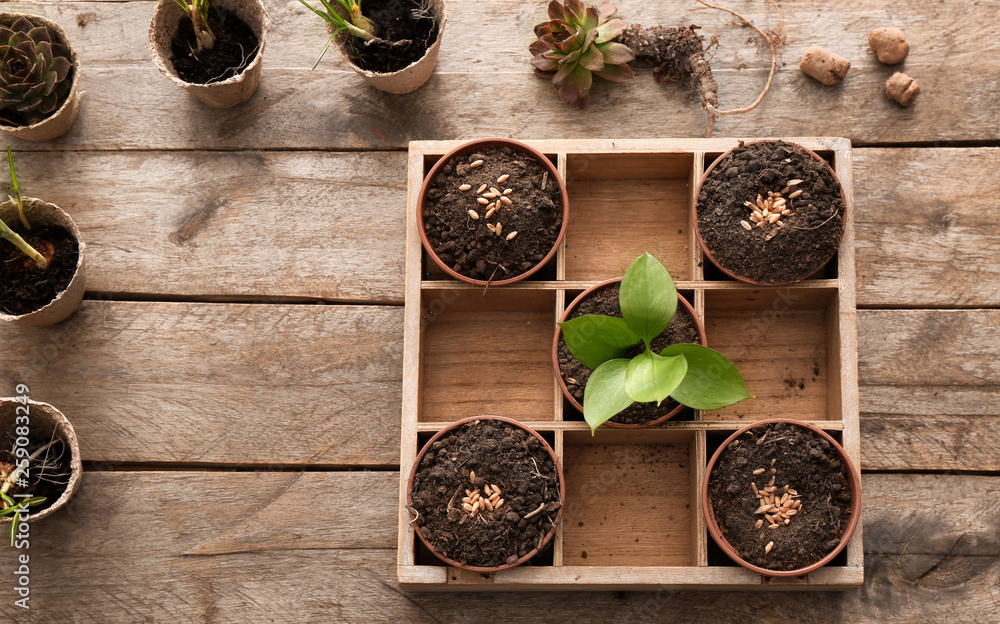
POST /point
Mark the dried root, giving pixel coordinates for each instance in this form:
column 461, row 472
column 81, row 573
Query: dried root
column 678, row 53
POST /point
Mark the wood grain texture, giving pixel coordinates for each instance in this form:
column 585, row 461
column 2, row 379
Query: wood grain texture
column 308, row 225
column 245, row 384
column 484, row 60
column 928, row 233
column 923, row 565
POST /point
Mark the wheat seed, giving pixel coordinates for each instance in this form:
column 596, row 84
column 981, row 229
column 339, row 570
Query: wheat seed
column 773, row 218
column 508, row 191
column 467, row 507
column 492, row 227
column 786, row 213
column 482, row 188
column 495, row 190
column 472, row 473
column 489, row 196
column 795, row 194
column 503, row 178
column 759, row 524
column 753, row 486
column 499, row 229
column 488, row 504
column 769, row 518
column 512, row 235
column 489, row 213
column 764, row 507
column 498, row 504
column 506, row 200
column 794, row 182
column 767, row 549
column 465, row 187
column 758, row 471
column 483, row 201
column 475, row 164
column 746, row 226
column 773, row 470
column 779, row 202
column 473, row 214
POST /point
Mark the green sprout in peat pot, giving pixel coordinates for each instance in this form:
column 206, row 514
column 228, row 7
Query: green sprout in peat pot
column 359, row 26
column 691, row 374
column 197, row 10
column 11, row 235
column 14, row 478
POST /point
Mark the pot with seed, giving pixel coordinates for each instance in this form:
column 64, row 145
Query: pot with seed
column 492, row 212
column 781, row 497
column 224, row 74
column 573, row 375
column 485, row 494
column 32, row 294
column 53, row 458
column 770, row 213
column 36, row 53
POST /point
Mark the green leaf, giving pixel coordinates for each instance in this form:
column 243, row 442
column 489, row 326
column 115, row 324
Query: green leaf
column 608, row 31
column 647, row 297
column 9, row 511
column 7, row 499
column 651, row 377
column 592, row 59
column 712, row 381
column 615, row 53
column 31, row 502
column 605, row 394
column 616, row 73
column 13, row 527
column 595, row 339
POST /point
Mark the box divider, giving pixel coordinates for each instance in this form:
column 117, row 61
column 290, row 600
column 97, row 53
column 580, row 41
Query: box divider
column 696, row 257
column 699, row 534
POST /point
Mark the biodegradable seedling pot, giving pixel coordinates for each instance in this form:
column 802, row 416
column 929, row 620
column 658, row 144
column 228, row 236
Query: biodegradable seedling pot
column 44, row 423
column 407, row 79
column 775, row 258
column 683, row 303
column 59, row 122
column 472, row 147
column 853, row 483
column 452, row 428
column 163, row 28
column 66, row 302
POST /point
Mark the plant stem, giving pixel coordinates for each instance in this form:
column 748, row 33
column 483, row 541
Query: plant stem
column 15, row 474
column 17, row 191
column 20, row 243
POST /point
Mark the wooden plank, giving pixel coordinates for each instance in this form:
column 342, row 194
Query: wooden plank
column 927, row 233
column 309, row 225
column 317, row 547
column 245, row 384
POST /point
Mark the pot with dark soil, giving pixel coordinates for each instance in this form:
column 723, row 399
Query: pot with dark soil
column 492, row 212
column 769, row 213
column 393, row 44
column 486, row 494
column 39, row 460
column 39, row 75
column 781, row 497
column 42, row 277
column 213, row 49
column 633, row 351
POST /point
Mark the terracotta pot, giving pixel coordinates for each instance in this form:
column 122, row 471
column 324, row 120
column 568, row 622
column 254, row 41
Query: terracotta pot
column 405, row 80
column 167, row 18
column 467, row 148
column 47, row 419
column 853, row 482
column 66, row 302
column 513, row 423
column 730, row 272
column 59, row 122
column 683, row 303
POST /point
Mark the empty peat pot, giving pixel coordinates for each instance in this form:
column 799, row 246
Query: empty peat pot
column 163, row 30
column 769, row 213
column 573, row 376
column 27, row 56
column 405, row 79
column 54, row 466
column 781, row 497
column 486, row 494
column 64, row 280
column 492, row 212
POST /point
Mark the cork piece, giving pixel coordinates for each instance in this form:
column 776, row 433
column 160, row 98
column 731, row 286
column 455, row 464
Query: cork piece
column 889, row 45
column 823, row 65
column 901, row 88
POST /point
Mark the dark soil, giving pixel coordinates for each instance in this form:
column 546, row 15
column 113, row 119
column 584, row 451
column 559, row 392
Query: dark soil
column 501, row 455
column 806, row 463
column 40, row 482
column 467, row 245
column 235, row 47
column 24, row 287
column 605, row 301
column 811, row 234
column 400, row 39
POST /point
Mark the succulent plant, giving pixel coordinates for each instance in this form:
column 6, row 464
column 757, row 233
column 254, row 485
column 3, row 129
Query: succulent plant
column 578, row 43
column 34, row 72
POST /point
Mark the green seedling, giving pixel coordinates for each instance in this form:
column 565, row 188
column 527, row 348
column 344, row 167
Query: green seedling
column 11, row 235
column 197, row 10
column 691, row 374
column 359, row 25
column 16, row 198
column 11, row 507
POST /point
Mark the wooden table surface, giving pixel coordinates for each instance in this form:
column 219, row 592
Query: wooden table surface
column 234, row 374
